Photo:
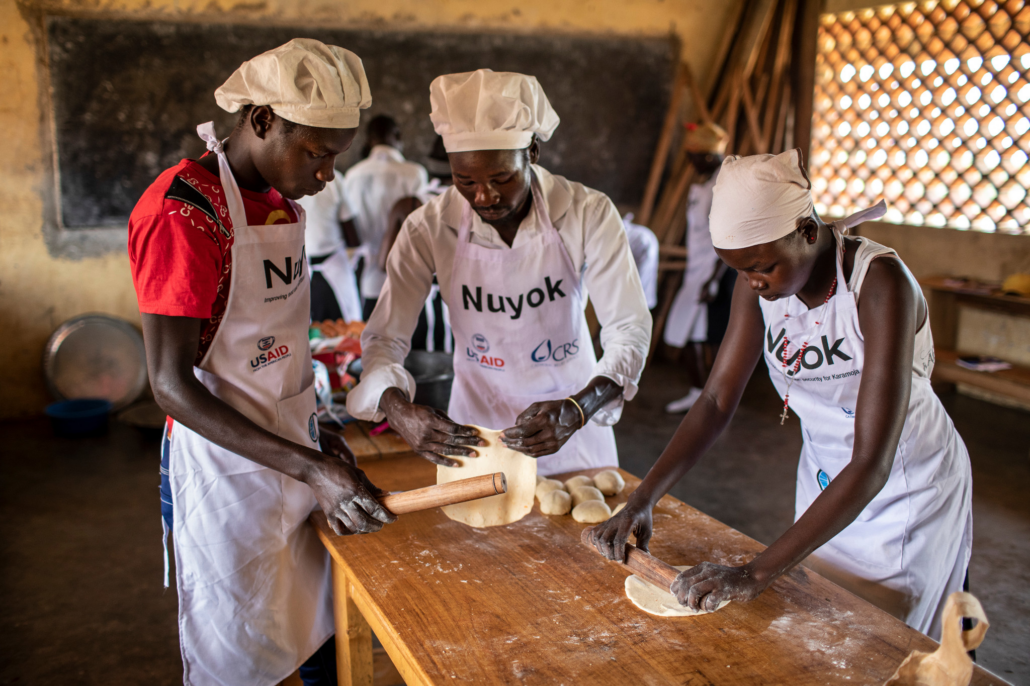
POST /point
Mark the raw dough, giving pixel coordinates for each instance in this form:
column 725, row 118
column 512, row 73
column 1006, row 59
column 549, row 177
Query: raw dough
column 556, row 502
column 591, row 512
column 577, row 481
column 539, row 479
column 656, row 601
column 519, row 471
column 585, row 493
column 609, row 482
column 618, row 509
column 546, row 486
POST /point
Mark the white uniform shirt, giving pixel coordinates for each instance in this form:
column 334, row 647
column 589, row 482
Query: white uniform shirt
column 644, row 245
column 372, row 186
column 592, row 231
column 325, row 211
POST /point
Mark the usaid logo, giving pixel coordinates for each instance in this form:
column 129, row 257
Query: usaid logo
column 480, row 344
column 266, row 343
column 313, row 427
column 271, row 357
column 554, row 353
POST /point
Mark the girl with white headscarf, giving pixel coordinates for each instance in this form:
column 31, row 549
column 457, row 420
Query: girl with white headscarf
column 883, row 504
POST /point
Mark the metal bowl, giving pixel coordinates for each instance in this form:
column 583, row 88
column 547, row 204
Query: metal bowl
column 96, row 356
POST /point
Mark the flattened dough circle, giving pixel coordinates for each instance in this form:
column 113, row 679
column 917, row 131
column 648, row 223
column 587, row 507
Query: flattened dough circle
column 497, row 510
column 656, row 601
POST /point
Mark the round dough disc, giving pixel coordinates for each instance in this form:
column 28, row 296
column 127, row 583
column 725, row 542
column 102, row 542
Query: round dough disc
column 609, row 482
column 585, row 493
column 556, row 502
column 546, row 486
column 591, row 512
column 656, row 601
column 577, row 481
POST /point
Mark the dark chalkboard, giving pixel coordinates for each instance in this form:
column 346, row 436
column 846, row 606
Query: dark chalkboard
column 128, row 96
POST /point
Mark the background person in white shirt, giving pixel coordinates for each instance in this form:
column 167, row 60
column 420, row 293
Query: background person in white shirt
column 514, row 249
column 372, row 187
column 330, row 229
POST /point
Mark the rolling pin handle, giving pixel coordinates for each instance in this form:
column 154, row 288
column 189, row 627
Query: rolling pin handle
column 500, row 483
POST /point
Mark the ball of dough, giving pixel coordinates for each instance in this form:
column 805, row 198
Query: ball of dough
column 585, row 493
column 618, row 509
column 546, row 486
column 577, row 481
column 609, row 482
column 556, row 502
column 591, row 512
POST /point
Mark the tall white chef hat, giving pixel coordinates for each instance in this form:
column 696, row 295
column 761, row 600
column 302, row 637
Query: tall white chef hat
column 304, row 81
column 488, row 110
column 759, row 199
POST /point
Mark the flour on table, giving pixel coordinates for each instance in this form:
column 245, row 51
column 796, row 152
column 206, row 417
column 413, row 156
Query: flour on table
column 656, row 601
column 497, row 510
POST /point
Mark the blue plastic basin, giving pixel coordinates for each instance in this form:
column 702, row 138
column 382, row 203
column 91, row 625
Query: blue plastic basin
column 79, row 417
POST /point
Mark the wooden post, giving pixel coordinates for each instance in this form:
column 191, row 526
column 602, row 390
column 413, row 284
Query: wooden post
column 353, row 635
column 662, row 151
column 804, row 75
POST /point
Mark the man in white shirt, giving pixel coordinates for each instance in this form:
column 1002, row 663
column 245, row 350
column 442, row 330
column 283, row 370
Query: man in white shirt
column 514, row 249
column 372, row 186
column 330, row 228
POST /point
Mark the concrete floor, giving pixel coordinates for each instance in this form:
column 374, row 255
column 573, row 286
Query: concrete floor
column 81, row 600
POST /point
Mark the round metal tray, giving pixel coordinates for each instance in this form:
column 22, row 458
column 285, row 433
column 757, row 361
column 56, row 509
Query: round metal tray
column 96, row 356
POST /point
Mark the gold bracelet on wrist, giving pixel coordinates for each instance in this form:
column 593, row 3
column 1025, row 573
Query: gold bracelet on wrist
column 582, row 416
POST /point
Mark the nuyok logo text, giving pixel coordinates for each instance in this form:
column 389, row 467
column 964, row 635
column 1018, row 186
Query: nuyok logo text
column 512, row 307
column 813, row 357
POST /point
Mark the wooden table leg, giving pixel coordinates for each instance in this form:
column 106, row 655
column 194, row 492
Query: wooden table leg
column 353, row 635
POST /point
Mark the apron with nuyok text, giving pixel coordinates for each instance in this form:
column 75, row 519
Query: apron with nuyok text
column 521, row 337
column 253, row 579
column 909, row 548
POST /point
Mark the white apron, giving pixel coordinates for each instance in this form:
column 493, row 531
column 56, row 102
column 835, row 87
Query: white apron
column 253, row 579
column 688, row 317
column 339, row 274
column 910, row 547
column 522, row 337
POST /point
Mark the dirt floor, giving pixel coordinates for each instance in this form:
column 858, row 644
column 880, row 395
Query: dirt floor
column 81, row 596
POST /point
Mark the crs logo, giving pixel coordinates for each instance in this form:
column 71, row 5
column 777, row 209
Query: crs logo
column 823, row 478
column 849, row 413
column 555, row 353
column 480, row 344
column 266, row 343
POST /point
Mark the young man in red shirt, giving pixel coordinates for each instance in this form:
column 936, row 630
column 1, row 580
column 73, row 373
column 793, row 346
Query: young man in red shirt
column 217, row 253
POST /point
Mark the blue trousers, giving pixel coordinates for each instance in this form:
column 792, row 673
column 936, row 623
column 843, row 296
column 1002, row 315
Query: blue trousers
column 317, row 670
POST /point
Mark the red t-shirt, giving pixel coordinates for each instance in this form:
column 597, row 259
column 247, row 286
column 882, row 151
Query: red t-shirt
column 180, row 255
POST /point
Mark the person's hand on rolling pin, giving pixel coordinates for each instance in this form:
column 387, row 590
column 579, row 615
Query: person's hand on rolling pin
column 705, row 586
column 347, row 497
column 544, row 427
column 610, row 537
column 429, row 432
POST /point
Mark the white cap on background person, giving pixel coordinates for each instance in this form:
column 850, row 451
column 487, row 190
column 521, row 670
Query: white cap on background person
column 304, row 81
column 488, row 110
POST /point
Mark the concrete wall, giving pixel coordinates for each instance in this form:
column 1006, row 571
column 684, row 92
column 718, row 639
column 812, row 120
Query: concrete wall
column 985, row 256
column 38, row 291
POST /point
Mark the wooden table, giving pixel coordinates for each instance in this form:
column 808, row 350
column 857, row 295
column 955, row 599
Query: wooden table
column 529, row 604
column 367, row 447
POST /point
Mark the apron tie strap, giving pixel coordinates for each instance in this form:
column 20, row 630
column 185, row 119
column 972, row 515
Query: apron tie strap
column 841, row 226
column 206, row 132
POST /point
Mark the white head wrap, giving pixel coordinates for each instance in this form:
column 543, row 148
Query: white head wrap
column 488, row 110
column 760, row 198
column 304, row 81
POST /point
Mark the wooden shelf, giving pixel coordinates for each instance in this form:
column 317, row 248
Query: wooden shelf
column 984, row 296
column 1014, row 383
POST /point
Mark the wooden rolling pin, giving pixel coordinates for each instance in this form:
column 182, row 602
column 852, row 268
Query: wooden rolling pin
column 640, row 563
column 445, row 494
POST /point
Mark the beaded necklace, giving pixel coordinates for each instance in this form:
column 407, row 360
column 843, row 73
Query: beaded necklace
column 789, row 381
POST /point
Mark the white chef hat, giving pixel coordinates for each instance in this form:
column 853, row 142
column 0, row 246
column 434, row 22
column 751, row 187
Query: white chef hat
column 758, row 199
column 488, row 110
column 304, row 81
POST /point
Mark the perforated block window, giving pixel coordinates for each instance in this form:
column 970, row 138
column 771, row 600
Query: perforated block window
column 925, row 105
